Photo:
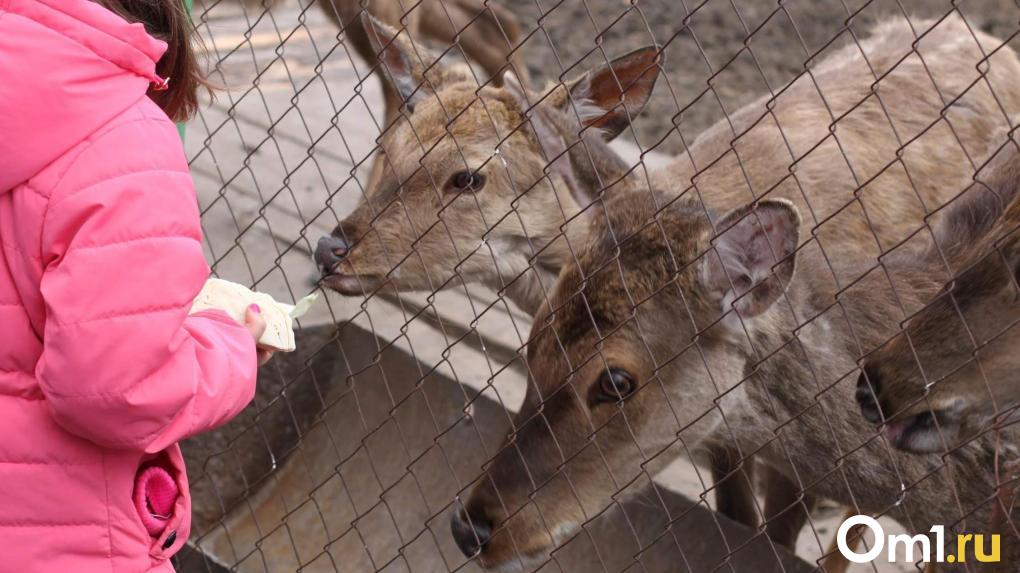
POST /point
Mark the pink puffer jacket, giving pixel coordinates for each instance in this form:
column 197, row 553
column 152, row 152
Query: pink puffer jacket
column 102, row 371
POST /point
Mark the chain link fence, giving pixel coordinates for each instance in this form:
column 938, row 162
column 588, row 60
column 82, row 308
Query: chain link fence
column 694, row 355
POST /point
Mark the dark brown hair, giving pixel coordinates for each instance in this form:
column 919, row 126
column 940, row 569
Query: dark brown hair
column 168, row 21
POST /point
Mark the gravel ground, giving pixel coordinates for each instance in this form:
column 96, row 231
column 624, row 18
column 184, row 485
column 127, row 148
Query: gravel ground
column 746, row 47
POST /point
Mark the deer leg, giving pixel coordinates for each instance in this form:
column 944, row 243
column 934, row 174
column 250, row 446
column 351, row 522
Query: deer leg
column 347, row 14
column 734, row 496
column 786, row 508
column 487, row 34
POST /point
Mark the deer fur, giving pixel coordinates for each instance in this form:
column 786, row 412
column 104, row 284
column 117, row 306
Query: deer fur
column 486, row 34
column 738, row 288
column 383, row 225
column 953, row 369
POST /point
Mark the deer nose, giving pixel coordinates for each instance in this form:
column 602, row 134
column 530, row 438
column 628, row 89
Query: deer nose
column 471, row 532
column 330, row 251
column 866, row 397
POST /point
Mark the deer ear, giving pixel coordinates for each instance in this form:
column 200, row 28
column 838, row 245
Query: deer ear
column 753, row 257
column 550, row 140
column 609, row 96
column 398, row 59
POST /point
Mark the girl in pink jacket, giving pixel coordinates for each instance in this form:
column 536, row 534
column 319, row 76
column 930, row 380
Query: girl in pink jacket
column 102, row 371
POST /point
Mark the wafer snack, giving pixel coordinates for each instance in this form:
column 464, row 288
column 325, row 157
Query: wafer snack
column 234, row 299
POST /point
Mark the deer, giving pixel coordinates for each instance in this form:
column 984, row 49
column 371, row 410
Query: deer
column 616, row 384
column 679, row 320
column 486, row 33
column 541, row 201
column 952, row 369
column 482, row 189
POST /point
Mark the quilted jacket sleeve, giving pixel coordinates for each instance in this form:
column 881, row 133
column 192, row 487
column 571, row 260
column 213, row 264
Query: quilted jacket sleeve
column 123, row 364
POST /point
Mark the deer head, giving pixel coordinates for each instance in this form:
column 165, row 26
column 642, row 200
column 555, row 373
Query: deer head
column 631, row 355
column 954, row 367
column 479, row 181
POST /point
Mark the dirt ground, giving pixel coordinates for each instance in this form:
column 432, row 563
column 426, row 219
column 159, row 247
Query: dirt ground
column 720, row 54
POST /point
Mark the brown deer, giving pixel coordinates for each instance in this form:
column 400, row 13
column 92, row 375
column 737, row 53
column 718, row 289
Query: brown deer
column 660, row 333
column 954, row 368
column 507, row 209
column 468, row 196
column 486, row 34
column 680, row 320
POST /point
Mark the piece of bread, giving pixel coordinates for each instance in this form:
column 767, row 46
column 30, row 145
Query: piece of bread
column 234, row 299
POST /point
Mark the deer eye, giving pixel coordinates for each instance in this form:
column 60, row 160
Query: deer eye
column 467, row 181
column 613, row 385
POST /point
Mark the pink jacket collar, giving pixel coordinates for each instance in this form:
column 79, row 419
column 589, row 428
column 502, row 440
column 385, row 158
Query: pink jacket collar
column 66, row 68
column 105, row 33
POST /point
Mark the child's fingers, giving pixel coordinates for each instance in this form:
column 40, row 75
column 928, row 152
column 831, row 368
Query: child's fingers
column 254, row 322
column 264, row 354
column 256, row 325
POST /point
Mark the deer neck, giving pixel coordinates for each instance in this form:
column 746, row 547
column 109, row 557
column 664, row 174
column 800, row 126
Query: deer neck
column 800, row 376
column 818, row 331
column 531, row 288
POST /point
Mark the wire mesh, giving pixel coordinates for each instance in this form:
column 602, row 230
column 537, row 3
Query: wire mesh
column 430, row 393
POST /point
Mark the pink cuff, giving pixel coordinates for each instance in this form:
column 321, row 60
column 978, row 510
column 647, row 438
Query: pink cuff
column 155, row 495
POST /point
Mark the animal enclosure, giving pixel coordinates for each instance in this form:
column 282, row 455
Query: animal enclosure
column 669, row 326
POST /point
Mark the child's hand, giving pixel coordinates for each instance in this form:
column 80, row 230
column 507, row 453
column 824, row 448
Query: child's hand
column 256, row 325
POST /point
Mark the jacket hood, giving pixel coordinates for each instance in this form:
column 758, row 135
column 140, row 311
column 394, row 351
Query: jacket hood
column 67, row 67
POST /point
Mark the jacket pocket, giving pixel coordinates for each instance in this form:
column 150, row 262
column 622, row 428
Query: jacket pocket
column 162, row 503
